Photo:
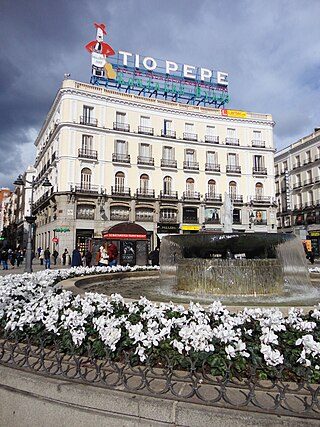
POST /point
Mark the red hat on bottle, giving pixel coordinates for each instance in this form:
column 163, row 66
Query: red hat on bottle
column 101, row 26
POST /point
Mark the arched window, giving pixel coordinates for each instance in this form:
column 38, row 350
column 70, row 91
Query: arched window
column 190, row 186
column 259, row 191
column 144, row 183
column 167, row 185
column 86, row 178
column 119, row 182
column 211, row 187
column 232, row 189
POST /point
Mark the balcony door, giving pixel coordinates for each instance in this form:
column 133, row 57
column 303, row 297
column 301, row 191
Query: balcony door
column 86, row 179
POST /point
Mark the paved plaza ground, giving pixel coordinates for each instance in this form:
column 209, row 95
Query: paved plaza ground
column 35, row 267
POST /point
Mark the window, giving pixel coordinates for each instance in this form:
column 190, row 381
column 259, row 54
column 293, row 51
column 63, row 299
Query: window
column 231, row 133
column 144, row 214
column 145, row 150
column 258, row 163
column 119, row 213
column 119, row 182
column 232, row 189
column 120, row 147
column 86, row 178
column 308, row 156
column 145, row 122
column 168, row 214
column 189, row 128
column 232, row 160
column 310, row 198
column 167, row 185
column 190, row 186
column 168, row 153
column 297, row 159
column 259, row 190
column 144, row 183
column 257, row 135
column 120, row 118
column 87, row 113
column 284, row 166
column 309, row 177
column 211, row 187
column 85, row 212
column 168, row 126
column 190, row 157
column 211, row 157
column 86, row 143
column 210, row 131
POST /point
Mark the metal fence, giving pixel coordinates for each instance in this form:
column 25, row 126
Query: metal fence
column 158, row 377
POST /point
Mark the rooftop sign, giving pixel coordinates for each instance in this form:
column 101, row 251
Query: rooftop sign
column 147, row 76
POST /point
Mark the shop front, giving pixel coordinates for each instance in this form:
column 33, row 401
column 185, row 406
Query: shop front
column 314, row 236
column 165, row 229
column 132, row 241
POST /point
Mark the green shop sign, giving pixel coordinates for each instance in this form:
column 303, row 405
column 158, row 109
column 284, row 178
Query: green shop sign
column 61, row 230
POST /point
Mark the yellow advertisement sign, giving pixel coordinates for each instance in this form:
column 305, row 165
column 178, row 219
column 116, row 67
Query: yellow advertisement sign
column 191, row 227
column 234, row 113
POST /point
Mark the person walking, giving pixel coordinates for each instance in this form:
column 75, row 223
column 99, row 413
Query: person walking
column 47, row 258
column 41, row 256
column 76, row 258
column 64, row 256
column 55, row 256
column 13, row 258
column 88, row 258
column 154, row 256
column 4, row 259
column 113, row 254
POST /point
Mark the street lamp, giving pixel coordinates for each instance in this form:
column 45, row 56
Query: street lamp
column 31, row 218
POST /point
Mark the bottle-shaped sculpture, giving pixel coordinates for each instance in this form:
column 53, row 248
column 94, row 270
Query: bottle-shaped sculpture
column 228, row 214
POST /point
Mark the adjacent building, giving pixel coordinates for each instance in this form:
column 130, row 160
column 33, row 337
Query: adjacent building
column 297, row 180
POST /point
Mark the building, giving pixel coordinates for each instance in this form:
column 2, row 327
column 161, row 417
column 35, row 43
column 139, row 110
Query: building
column 148, row 149
column 297, row 181
column 115, row 158
column 4, row 199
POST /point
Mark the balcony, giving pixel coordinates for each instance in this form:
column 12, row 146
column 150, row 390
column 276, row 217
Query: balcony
column 88, row 121
column 259, row 171
column 85, row 188
column 233, row 169
column 296, row 165
column 121, row 158
column 258, row 143
column 167, row 163
column 307, row 161
column 260, row 199
column 169, row 195
column 309, row 205
column 211, row 167
column 308, row 181
column 124, row 127
column 212, row 139
column 190, row 136
column 212, row 221
column 297, row 185
column 145, row 130
column 191, row 195
column 88, row 154
column 317, row 179
column 120, row 191
column 148, row 161
column 168, row 133
column 232, row 141
column 142, row 193
column 191, row 165
column 236, row 198
column 213, row 197
column 168, row 220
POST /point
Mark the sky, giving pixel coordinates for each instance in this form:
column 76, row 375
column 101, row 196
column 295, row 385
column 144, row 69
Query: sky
column 269, row 48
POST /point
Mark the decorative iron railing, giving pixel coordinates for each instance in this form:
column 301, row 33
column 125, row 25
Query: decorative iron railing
column 161, row 377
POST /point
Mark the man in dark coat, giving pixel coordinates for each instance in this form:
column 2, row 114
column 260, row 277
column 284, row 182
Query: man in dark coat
column 76, row 258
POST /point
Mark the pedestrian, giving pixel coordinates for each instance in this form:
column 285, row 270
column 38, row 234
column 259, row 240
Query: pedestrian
column 41, row 256
column 13, row 258
column 88, row 258
column 113, row 254
column 76, row 258
column 64, row 256
column 47, row 258
column 55, row 256
column 19, row 257
column 154, row 256
column 4, row 259
column 39, row 251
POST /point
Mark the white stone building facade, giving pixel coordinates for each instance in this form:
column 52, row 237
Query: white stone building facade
column 116, row 158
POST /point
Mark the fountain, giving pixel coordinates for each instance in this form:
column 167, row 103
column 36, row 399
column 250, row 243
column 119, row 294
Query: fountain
column 228, row 214
column 235, row 265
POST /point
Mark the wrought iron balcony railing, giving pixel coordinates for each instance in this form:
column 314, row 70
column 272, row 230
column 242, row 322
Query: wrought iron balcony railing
column 149, row 161
column 213, row 197
column 142, row 193
column 173, row 195
column 233, row 169
column 88, row 154
column 88, row 121
column 145, row 130
column 191, row 165
column 232, row 141
column 168, row 163
column 124, row 127
column 259, row 171
column 121, row 158
column 258, row 143
column 120, row 191
column 191, row 195
column 168, row 133
column 212, row 167
column 211, row 138
column 190, row 136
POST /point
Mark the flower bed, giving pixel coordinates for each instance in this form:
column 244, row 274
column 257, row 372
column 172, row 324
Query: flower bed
column 35, row 306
